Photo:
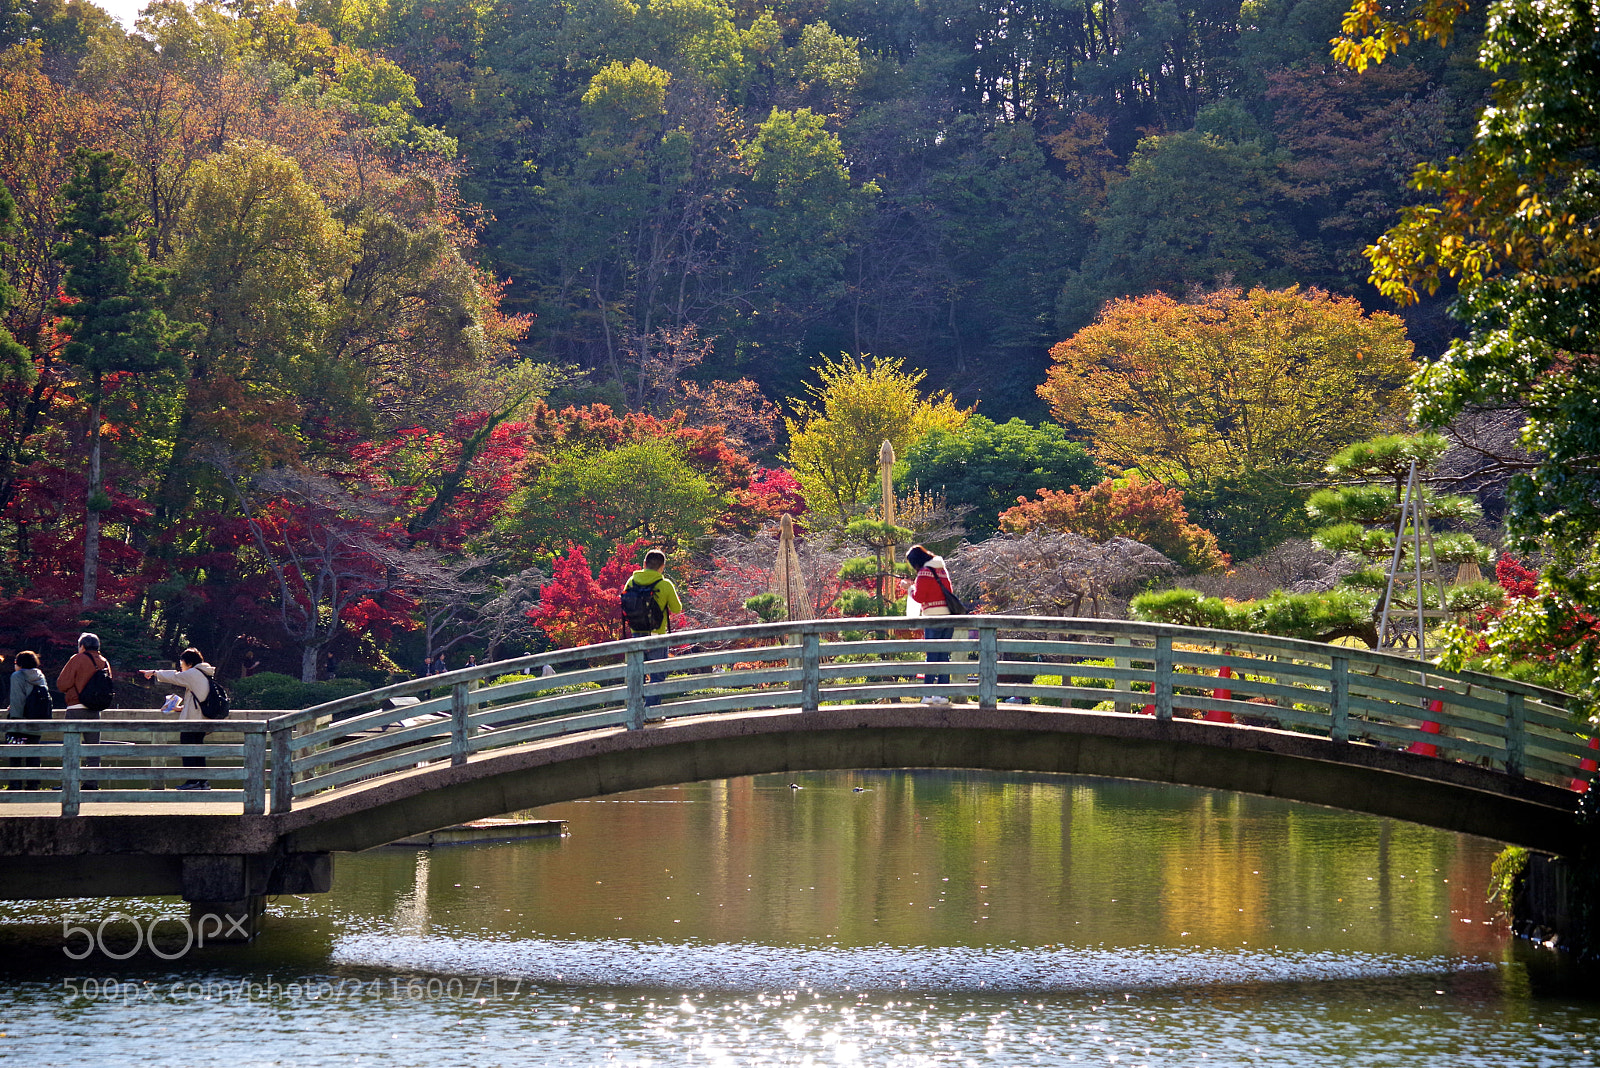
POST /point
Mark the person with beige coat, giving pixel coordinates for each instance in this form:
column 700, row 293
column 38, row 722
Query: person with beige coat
column 195, row 680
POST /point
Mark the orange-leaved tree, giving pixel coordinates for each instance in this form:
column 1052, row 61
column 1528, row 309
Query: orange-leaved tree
column 1147, row 512
column 1230, row 383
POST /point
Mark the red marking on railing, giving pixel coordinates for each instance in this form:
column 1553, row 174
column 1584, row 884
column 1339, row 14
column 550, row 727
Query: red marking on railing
column 1221, row 715
column 1588, row 764
column 1428, row 727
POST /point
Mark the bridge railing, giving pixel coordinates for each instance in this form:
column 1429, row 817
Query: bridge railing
column 127, row 756
column 1348, row 695
column 1053, row 666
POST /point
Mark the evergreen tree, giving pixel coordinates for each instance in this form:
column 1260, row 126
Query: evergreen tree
column 880, row 568
column 1364, row 515
column 110, row 308
column 989, row 465
column 1512, row 226
column 14, row 362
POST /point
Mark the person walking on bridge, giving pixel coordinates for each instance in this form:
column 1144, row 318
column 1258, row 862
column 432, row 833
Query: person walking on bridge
column 648, row 603
column 929, row 596
column 75, row 675
column 195, row 681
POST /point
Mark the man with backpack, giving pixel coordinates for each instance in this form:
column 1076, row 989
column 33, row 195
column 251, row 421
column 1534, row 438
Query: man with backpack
column 80, row 670
column 203, row 698
column 648, row 603
column 86, row 683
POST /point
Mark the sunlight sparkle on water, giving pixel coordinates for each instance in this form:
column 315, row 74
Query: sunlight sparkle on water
column 1132, row 925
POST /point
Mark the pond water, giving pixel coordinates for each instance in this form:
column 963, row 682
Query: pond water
column 900, row 918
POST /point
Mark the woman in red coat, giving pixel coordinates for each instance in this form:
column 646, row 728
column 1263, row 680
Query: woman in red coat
column 927, row 598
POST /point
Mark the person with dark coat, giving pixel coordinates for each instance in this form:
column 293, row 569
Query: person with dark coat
column 24, row 681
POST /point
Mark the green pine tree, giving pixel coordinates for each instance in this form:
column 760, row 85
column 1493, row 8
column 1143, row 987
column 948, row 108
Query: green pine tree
column 15, row 364
column 880, row 568
column 1361, row 516
column 1364, row 517
column 111, row 308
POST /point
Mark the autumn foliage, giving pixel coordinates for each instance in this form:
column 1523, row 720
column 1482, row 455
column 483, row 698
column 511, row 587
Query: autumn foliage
column 1147, row 512
column 580, row 607
column 1546, row 631
column 1229, row 384
column 448, row 485
column 663, row 205
column 1549, row 622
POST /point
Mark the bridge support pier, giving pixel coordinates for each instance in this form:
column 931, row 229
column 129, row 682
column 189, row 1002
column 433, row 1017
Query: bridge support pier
column 227, row 921
column 227, row 893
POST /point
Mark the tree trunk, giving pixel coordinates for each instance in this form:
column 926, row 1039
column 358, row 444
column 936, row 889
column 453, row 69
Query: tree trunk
column 91, row 514
column 308, row 662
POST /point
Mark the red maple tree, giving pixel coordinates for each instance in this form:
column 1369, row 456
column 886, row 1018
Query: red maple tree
column 579, row 607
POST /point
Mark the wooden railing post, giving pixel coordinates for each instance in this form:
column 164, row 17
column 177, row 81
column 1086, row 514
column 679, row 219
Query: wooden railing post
column 988, row 667
column 71, row 762
column 810, row 671
column 282, row 770
column 1339, row 699
column 1163, row 686
column 633, row 675
column 255, row 772
column 458, row 723
column 1516, row 735
column 1122, row 663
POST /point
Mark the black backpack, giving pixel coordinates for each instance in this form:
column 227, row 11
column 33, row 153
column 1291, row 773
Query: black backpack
column 37, row 704
column 639, row 607
column 215, row 706
column 99, row 693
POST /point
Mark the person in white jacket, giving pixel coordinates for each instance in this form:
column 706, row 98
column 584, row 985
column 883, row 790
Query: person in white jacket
column 195, row 681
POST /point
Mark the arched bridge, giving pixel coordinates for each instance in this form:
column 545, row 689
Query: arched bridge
column 1369, row 732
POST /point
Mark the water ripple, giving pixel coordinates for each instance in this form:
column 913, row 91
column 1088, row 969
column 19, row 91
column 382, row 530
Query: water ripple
column 748, row 967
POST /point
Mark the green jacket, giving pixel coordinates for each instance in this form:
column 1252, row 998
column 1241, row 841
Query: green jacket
column 666, row 596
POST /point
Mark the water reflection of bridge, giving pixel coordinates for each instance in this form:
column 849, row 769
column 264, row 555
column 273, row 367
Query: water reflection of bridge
column 1324, row 724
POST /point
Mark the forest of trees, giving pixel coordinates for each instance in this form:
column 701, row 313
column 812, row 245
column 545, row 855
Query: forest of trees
column 354, row 326
column 957, row 184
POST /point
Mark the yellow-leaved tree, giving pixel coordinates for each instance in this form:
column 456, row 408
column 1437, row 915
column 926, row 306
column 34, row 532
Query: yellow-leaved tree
column 835, row 435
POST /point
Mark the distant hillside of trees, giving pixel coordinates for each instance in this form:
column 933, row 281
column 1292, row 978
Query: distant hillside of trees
column 336, row 327
column 960, row 184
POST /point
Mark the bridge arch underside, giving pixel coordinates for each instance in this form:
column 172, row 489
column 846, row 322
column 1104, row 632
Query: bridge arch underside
column 1445, row 794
